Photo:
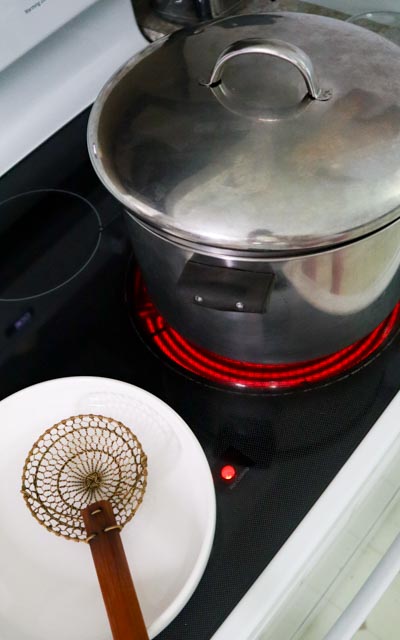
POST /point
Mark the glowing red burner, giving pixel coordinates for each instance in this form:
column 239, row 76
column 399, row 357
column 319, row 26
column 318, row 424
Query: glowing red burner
column 221, row 370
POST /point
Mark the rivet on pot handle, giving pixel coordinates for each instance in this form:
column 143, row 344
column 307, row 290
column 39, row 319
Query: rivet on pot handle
column 277, row 49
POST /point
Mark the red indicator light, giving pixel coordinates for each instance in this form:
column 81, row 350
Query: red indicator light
column 228, row 472
column 234, row 373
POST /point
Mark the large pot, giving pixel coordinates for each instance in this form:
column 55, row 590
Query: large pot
column 258, row 159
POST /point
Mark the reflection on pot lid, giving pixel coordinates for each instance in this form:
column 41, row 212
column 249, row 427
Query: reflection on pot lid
column 273, row 132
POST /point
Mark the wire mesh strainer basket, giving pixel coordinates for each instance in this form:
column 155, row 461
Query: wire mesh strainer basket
column 77, row 462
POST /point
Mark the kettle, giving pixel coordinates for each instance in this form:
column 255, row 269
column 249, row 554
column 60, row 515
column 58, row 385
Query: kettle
column 189, row 12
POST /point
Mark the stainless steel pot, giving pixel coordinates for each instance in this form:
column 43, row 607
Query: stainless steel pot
column 258, row 159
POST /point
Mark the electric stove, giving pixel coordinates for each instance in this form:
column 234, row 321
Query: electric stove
column 70, row 306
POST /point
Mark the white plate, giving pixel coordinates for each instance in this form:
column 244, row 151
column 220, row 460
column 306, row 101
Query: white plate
column 48, row 585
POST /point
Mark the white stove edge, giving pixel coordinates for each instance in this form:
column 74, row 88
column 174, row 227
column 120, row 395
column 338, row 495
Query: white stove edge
column 314, row 534
column 61, row 76
column 26, row 23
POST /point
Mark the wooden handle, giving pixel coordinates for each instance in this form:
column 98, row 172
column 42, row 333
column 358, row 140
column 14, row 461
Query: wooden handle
column 123, row 609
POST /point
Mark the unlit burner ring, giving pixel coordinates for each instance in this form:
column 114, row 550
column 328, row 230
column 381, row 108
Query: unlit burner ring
column 249, row 375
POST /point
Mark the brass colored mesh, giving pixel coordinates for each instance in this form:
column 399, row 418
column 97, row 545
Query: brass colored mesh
column 79, row 461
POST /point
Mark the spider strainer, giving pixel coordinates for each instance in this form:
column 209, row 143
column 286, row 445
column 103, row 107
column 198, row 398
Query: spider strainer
column 77, row 462
column 83, row 479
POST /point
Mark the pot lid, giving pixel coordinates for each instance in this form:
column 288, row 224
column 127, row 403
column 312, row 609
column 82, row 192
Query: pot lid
column 272, row 132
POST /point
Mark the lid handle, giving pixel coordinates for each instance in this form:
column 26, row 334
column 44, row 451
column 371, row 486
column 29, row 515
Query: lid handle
column 277, row 49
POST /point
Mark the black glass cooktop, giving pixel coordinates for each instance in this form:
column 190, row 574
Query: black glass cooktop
column 66, row 282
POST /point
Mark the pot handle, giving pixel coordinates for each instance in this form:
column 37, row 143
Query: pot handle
column 223, row 288
column 277, row 49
